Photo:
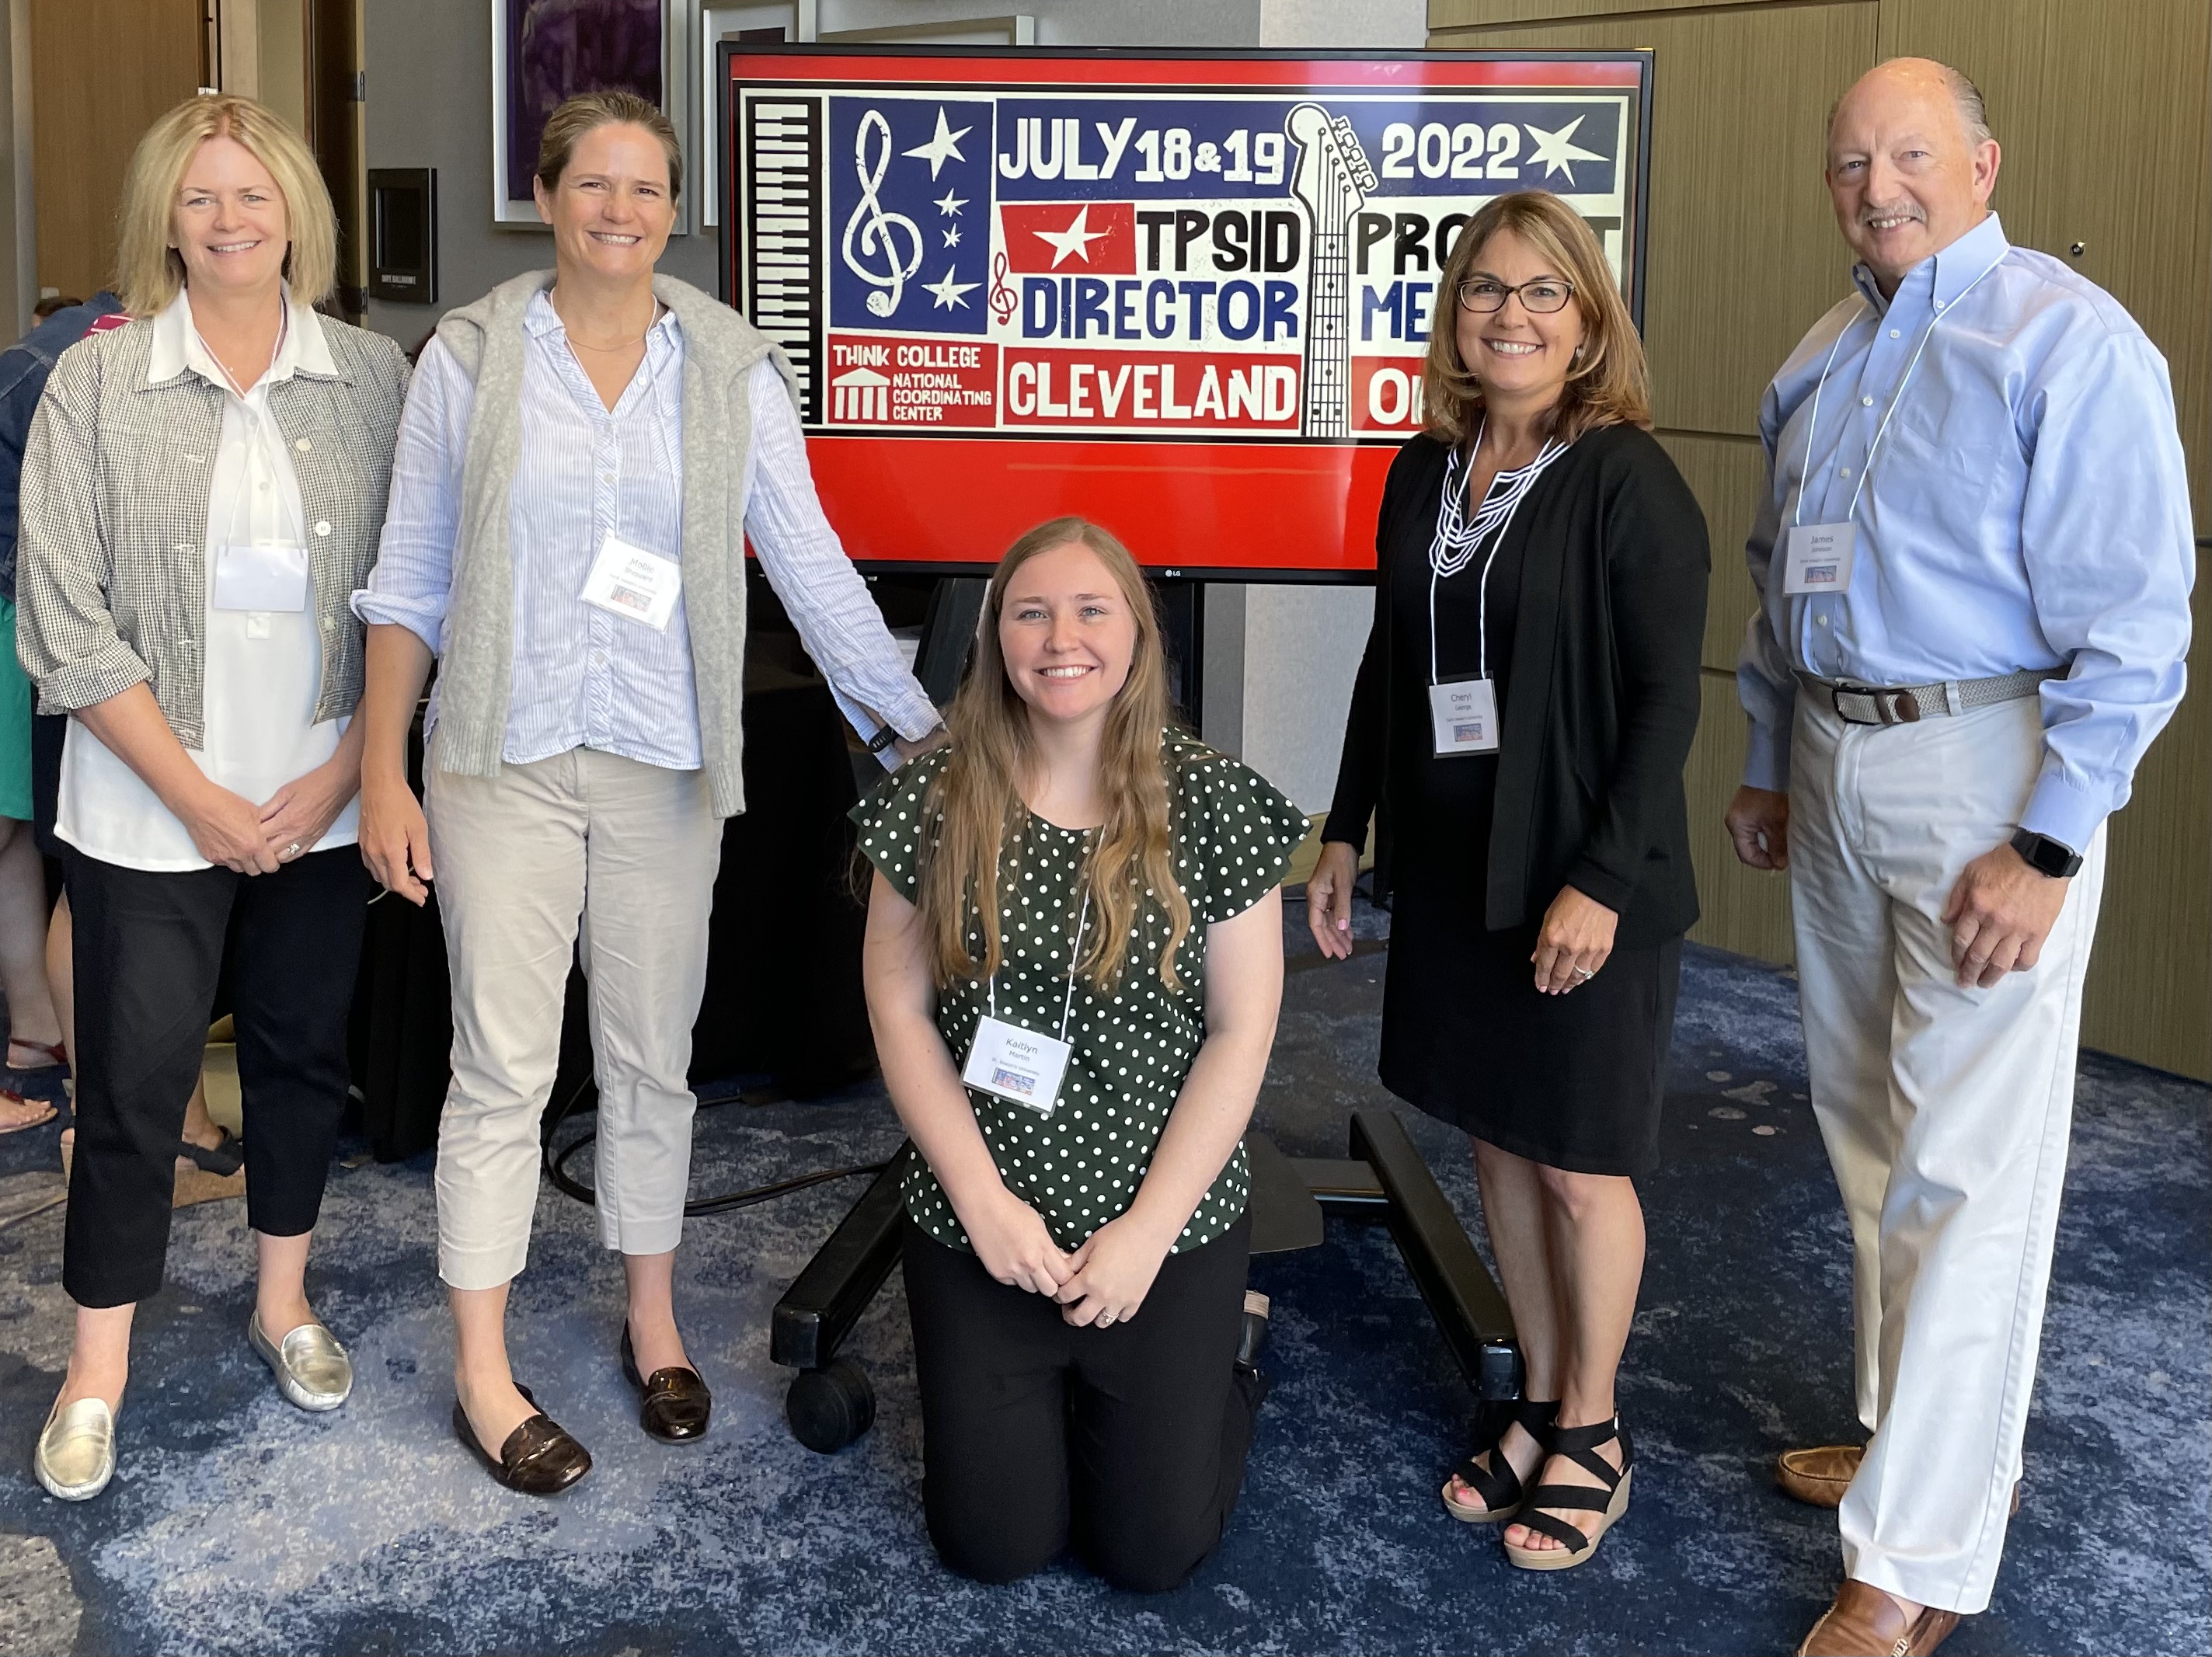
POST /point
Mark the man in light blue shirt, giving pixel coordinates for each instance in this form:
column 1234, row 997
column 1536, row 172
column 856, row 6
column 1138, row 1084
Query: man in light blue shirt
column 1973, row 557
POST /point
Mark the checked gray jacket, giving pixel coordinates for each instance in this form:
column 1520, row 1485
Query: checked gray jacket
column 112, row 561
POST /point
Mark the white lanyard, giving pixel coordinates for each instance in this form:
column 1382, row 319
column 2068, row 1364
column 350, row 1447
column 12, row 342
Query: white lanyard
column 1866, row 469
column 258, row 439
column 1452, row 549
column 1068, row 1008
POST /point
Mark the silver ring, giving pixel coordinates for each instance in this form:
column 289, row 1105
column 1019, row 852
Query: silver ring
column 1105, row 1318
column 292, row 850
column 1584, row 972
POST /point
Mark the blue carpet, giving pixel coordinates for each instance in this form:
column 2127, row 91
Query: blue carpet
column 238, row 1524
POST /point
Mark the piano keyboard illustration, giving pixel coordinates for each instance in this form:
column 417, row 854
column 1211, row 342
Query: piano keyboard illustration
column 784, row 212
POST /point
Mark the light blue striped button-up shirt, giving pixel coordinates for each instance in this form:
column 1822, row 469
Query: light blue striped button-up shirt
column 2028, row 508
column 584, row 678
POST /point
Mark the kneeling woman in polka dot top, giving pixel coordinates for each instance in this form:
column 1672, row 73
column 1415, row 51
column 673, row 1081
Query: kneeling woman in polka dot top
column 1076, row 1062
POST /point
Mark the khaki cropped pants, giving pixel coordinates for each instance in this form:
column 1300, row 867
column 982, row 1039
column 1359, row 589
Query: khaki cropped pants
column 624, row 853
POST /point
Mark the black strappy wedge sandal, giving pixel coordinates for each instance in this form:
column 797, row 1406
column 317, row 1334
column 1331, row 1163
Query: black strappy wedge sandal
column 1610, row 1502
column 1497, row 1484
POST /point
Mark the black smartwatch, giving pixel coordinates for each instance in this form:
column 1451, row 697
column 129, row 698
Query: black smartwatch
column 2045, row 855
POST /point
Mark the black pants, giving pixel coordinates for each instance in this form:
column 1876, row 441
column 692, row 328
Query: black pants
column 1128, row 1440
column 149, row 948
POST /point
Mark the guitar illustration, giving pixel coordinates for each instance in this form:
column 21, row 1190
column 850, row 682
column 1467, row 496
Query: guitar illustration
column 1332, row 181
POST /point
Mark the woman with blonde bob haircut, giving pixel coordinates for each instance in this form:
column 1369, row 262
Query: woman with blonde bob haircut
column 202, row 491
column 1073, row 964
column 1523, row 714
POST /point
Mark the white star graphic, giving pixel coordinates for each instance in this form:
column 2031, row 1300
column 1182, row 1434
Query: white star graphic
column 1558, row 151
column 952, row 237
column 949, row 292
column 949, row 202
column 1075, row 240
column 944, row 147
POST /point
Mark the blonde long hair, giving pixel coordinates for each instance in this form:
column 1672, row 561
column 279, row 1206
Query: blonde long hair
column 979, row 796
column 148, row 271
column 1609, row 385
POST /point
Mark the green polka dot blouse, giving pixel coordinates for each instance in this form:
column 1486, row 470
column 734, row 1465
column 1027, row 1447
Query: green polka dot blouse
column 1081, row 1166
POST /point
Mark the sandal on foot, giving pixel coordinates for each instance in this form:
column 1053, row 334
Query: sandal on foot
column 225, row 1157
column 1497, row 1484
column 10, row 1097
column 1609, row 1501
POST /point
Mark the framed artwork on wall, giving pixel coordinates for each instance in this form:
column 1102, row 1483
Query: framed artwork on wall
column 545, row 50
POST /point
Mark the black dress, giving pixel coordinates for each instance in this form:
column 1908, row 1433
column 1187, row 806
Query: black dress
column 1570, row 1081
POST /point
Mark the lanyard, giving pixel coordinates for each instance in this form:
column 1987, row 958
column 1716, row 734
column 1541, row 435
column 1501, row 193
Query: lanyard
column 257, row 425
column 1451, row 549
column 1068, row 1008
column 1866, row 469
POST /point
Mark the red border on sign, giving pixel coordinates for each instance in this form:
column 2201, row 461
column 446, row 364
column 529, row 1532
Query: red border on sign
column 1364, row 74
column 1191, row 508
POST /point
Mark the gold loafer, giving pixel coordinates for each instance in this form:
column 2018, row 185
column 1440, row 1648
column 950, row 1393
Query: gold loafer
column 76, row 1456
column 312, row 1369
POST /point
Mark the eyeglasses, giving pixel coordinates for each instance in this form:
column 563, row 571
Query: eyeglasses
column 1541, row 297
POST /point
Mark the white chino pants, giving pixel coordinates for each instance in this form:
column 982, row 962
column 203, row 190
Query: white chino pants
column 631, row 851
column 1946, row 1113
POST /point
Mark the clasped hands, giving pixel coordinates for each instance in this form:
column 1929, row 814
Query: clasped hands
column 2000, row 910
column 1101, row 1282
column 229, row 830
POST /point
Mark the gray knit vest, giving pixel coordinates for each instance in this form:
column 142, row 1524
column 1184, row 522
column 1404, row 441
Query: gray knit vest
column 476, row 671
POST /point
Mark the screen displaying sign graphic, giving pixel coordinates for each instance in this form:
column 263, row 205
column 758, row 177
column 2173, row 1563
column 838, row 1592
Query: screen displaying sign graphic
column 1185, row 294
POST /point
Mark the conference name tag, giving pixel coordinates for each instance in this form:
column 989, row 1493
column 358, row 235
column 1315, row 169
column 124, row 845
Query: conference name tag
column 1817, row 558
column 260, row 578
column 1463, row 713
column 1018, row 1066
column 634, row 584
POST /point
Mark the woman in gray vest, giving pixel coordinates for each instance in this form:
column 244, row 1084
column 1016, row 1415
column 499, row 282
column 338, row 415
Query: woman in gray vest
column 583, row 454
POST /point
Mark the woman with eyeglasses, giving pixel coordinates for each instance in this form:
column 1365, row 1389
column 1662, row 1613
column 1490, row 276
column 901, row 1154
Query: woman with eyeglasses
column 1522, row 714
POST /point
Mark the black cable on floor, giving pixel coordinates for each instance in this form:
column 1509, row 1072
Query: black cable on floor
column 556, row 1170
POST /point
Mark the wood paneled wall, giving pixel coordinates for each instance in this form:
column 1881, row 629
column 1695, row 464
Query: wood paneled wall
column 2105, row 113
column 100, row 71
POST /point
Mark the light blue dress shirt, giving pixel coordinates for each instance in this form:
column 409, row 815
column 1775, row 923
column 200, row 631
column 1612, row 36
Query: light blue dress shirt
column 584, row 678
column 2028, row 508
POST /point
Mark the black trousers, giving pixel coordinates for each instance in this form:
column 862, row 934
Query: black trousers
column 149, row 949
column 1128, row 1441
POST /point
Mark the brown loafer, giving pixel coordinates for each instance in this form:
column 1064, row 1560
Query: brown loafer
column 1819, row 1476
column 676, row 1404
column 1864, row 1622
column 539, row 1459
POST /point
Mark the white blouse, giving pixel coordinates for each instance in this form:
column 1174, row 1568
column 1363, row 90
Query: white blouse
column 262, row 667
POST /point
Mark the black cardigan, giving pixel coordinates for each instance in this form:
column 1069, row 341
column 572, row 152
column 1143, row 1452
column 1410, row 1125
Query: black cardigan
column 1613, row 569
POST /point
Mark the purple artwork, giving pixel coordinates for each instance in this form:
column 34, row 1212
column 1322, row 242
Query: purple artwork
column 557, row 48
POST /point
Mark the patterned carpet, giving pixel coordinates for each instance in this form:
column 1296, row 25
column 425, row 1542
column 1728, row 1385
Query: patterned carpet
column 238, row 1524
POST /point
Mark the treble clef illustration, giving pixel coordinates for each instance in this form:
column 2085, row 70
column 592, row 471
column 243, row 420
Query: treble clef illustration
column 874, row 228
column 1003, row 302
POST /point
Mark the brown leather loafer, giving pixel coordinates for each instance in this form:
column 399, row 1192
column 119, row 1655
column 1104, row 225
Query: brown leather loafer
column 1864, row 1622
column 676, row 1404
column 539, row 1459
column 1819, row 1476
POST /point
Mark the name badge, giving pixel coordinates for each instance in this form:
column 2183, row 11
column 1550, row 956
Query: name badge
column 634, row 584
column 261, row 578
column 1015, row 1065
column 1817, row 558
column 1463, row 713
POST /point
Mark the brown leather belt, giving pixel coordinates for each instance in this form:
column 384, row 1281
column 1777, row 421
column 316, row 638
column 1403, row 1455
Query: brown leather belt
column 1858, row 704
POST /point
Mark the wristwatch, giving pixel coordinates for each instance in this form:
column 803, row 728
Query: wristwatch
column 2045, row 855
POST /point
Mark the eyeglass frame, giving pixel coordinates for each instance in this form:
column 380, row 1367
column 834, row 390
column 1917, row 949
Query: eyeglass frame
column 1533, row 282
